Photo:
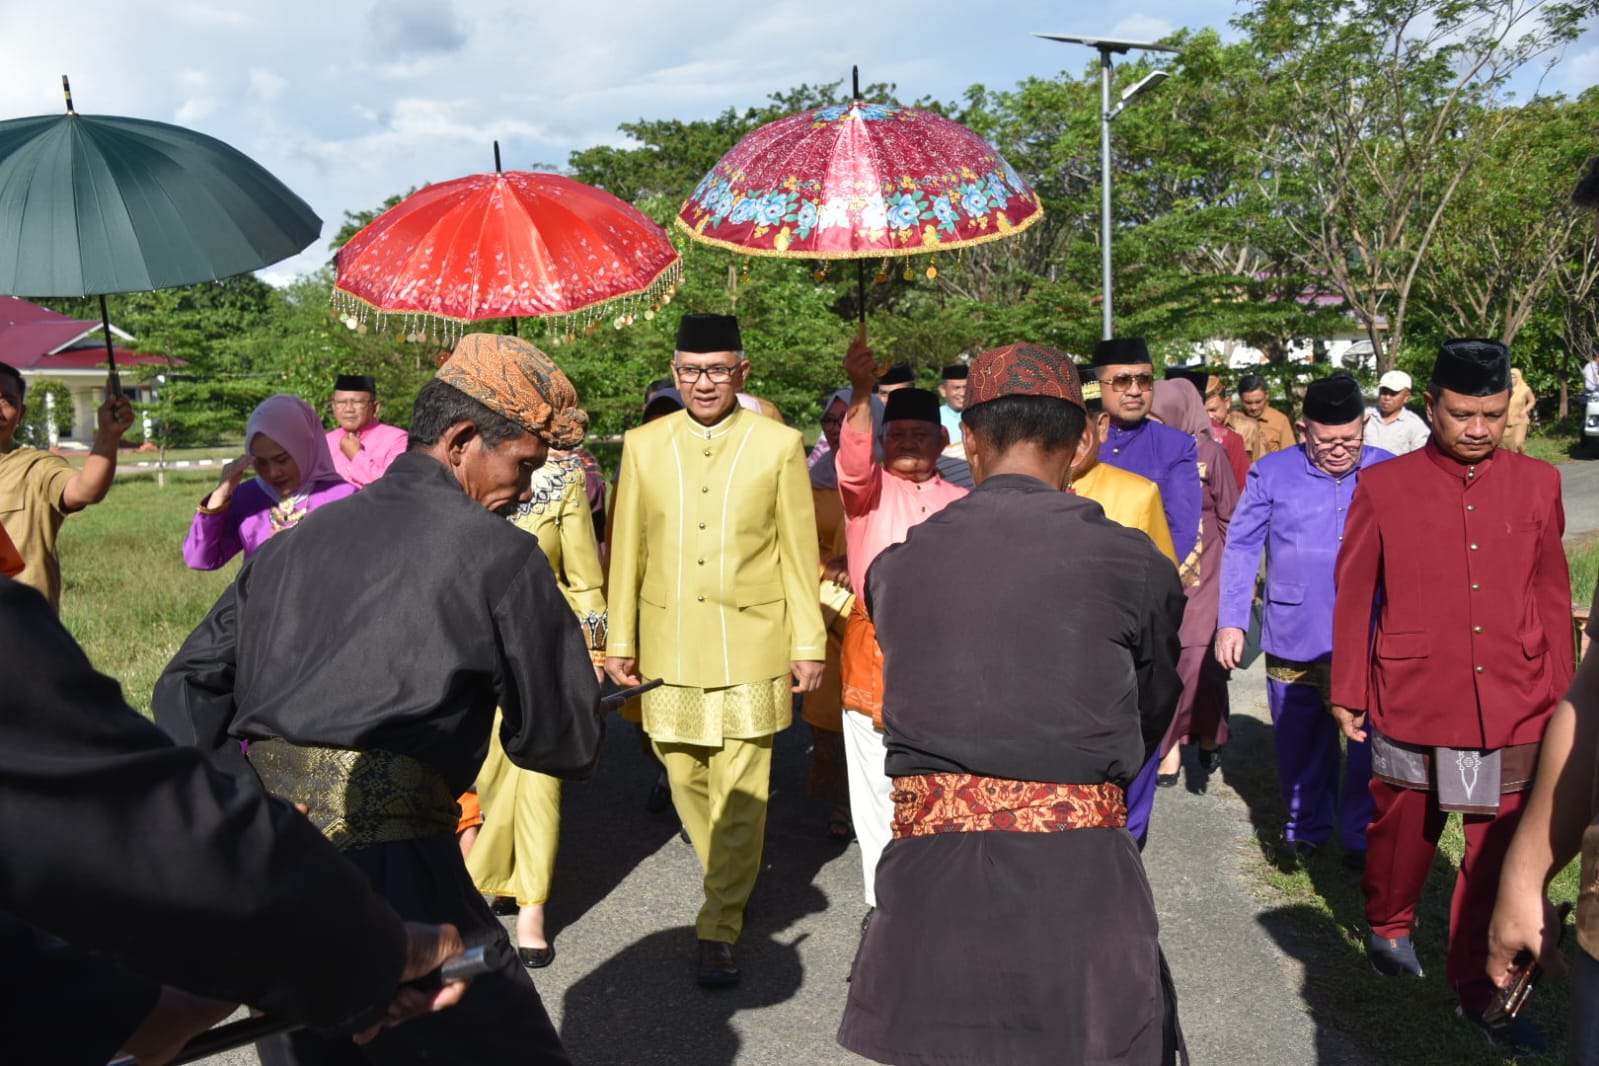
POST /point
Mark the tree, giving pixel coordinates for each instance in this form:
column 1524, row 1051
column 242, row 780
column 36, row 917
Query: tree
column 1371, row 102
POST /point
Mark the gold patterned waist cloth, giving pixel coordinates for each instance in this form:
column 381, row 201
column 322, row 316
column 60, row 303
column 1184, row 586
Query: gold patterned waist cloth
column 358, row 798
column 926, row 804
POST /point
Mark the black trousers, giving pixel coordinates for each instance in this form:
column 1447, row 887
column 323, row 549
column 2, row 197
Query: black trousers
column 499, row 1021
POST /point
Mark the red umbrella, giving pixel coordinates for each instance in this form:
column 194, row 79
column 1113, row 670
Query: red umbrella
column 859, row 181
column 855, row 181
column 506, row 245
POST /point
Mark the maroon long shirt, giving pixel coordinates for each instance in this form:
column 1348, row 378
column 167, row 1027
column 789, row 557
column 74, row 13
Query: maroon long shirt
column 1472, row 644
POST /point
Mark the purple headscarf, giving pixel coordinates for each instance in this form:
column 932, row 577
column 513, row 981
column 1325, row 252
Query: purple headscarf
column 290, row 422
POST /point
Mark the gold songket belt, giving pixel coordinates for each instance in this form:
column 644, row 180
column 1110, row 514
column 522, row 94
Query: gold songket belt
column 358, row 798
column 967, row 803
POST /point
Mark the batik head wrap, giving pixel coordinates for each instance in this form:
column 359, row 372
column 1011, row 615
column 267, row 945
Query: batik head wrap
column 291, row 424
column 514, row 379
column 1023, row 370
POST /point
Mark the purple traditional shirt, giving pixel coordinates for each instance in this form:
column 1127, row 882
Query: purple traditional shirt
column 1170, row 459
column 1296, row 511
column 248, row 522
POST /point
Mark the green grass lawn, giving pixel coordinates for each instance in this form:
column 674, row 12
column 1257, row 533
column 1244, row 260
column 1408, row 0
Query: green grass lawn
column 127, row 595
column 1317, row 913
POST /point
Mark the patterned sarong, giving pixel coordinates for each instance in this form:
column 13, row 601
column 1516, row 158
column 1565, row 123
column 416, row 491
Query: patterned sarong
column 926, row 804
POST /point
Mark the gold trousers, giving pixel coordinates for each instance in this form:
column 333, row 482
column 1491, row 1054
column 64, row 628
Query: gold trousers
column 515, row 850
column 720, row 794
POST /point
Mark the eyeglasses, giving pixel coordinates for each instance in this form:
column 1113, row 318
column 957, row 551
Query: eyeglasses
column 719, row 375
column 829, row 420
column 1331, row 446
column 1123, row 382
column 352, row 403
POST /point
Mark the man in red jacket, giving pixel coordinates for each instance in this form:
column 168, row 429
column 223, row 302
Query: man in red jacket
column 1455, row 549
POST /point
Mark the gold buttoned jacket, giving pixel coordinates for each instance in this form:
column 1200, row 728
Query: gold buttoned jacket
column 713, row 552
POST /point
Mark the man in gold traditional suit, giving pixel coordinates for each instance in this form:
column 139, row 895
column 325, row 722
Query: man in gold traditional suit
column 713, row 590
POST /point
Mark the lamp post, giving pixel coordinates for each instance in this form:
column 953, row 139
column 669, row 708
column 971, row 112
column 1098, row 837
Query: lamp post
column 1108, row 48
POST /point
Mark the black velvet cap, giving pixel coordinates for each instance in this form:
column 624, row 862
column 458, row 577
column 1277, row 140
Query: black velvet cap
column 701, row 332
column 1471, row 367
column 1334, row 401
column 1093, row 394
column 1121, row 350
column 355, row 383
column 911, row 405
column 663, row 403
column 898, row 374
column 955, row 372
column 1196, row 376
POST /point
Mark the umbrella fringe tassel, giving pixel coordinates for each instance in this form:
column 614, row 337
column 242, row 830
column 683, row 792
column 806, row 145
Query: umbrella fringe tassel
column 419, row 327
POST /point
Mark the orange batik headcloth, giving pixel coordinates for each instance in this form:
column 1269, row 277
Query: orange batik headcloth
column 514, row 379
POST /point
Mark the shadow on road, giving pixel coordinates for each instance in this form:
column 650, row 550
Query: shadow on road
column 1317, row 916
column 641, row 1006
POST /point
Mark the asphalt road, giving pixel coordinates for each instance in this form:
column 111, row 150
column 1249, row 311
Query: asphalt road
column 621, row 988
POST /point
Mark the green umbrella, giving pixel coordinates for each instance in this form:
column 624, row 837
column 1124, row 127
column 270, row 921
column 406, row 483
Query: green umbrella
column 95, row 204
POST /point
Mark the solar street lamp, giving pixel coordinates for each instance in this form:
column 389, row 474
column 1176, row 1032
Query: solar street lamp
column 1108, row 48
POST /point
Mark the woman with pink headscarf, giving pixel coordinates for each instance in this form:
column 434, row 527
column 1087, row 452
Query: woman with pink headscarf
column 294, row 475
column 1202, row 712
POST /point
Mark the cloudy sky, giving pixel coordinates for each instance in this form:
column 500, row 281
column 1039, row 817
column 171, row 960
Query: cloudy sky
column 351, row 101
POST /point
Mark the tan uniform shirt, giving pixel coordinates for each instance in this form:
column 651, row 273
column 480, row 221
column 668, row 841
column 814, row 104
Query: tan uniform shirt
column 1271, row 432
column 33, row 487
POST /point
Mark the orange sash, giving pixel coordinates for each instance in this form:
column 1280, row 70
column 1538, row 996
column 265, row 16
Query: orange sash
column 863, row 666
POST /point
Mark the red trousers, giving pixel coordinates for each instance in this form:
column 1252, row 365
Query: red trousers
column 1400, row 843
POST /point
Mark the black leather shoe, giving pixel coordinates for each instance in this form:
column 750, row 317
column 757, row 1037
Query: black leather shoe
column 660, row 797
column 715, row 967
column 1289, row 853
column 1165, row 780
column 1516, row 1034
column 1393, row 957
column 1210, row 761
column 536, row 958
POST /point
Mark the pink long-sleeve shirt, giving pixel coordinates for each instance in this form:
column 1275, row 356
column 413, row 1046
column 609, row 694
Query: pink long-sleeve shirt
column 879, row 508
column 380, row 443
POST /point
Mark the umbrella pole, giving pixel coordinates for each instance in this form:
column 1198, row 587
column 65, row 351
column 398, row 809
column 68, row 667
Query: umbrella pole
column 860, row 289
column 514, row 331
column 113, row 382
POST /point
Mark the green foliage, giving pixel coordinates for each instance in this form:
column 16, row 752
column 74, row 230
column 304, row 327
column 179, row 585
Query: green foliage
column 1341, row 162
column 35, row 428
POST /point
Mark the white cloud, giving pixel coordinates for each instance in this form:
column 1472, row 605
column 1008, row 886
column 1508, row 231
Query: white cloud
column 267, row 85
column 350, row 103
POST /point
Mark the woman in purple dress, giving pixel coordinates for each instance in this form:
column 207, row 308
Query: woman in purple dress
column 1202, row 712
column 285, row 443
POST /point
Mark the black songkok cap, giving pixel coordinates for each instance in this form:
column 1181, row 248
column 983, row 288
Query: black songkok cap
column 1121, row 351
column 356, row 383
column 911, row 405
column 1093, row 392
column 701, row 332
column 1197, row 376
column 955, row 372
column 1334, row 401
column 1471, row 367
column 898, row 374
